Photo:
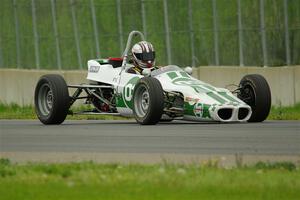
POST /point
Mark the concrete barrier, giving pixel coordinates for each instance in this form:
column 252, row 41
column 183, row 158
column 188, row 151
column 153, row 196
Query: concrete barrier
column 17, row 86
column 284, row 81
column 297, row 84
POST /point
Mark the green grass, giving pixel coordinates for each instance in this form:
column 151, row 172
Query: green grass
column 88, row 180
column 285, row 113
column 13, row 111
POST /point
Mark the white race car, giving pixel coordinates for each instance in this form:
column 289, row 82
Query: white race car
column 163, row 94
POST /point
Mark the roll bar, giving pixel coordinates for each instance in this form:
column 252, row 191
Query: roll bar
column 128, row 44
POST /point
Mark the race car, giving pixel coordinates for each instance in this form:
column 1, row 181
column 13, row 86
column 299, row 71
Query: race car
column 163, row 94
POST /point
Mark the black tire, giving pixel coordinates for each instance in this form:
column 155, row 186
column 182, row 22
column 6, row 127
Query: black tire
column 166, row 120
column 255, row 91
column 51, row 99
column 148, row 112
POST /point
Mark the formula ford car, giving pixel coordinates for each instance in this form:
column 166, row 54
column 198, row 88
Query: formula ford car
column 163, row 94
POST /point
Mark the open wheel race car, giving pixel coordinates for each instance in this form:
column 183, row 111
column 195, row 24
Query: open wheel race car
column 163, row 94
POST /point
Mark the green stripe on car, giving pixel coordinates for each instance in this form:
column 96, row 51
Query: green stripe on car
column 209, row 87
column 120, row 102
column 184, row 74
column 216, row 97
column 199, row 89
column 172, row 75
column 225, row 95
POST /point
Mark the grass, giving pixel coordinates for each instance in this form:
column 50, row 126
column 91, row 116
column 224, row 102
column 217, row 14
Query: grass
column 88, row 180
column 285, row 113
column 13, row 111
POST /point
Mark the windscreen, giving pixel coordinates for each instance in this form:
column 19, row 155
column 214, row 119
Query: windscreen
column 165, row 69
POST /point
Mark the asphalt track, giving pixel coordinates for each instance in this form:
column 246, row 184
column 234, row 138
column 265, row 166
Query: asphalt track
column 270, row 137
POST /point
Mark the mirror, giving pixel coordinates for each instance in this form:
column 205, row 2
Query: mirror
column 188, row 70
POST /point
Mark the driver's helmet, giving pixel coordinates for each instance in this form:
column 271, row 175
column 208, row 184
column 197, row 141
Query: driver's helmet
column 143, row 54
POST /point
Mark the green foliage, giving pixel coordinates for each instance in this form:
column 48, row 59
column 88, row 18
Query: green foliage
column 5, row 168
column 276, row 165
column 4, row 162
column 109, row 38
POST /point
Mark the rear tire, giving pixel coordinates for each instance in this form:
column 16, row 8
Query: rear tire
column 51, row 99
column 255, row 91
column 148, row 101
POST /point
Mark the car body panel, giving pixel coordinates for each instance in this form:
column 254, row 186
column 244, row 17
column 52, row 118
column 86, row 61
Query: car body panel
column 202, row 101
column 104, row 73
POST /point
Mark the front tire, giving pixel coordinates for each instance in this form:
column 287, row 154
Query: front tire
column 51, row 99
column 255, row 91
column 148, row 101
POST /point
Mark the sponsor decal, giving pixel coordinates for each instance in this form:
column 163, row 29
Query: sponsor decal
column 128, row 92
column 199, row 109
column 94, row 69
column 191, row 100
column 213, row 108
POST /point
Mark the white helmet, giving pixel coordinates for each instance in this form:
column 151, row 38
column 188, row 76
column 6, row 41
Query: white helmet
column 143, row 54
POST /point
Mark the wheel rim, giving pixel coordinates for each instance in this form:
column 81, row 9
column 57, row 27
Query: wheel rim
column 45, row 99
column 248, row 95
column 141, row 101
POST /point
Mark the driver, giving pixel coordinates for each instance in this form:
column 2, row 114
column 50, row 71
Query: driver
column 143, row 57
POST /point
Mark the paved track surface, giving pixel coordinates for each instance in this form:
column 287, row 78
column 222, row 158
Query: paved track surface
column 178, row 137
